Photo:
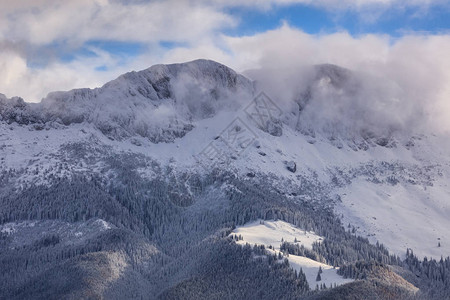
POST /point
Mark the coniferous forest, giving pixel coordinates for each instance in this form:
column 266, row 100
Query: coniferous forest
column 170, row 241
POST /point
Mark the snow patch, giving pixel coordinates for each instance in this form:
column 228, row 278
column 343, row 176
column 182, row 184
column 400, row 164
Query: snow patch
column 105, row 225
column 273, row 233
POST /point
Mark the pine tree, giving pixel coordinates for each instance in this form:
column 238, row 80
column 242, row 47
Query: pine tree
column 318, row 278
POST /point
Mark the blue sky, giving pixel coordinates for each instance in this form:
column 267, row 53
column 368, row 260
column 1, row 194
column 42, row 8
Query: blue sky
column 314, row 20
column 48, row 45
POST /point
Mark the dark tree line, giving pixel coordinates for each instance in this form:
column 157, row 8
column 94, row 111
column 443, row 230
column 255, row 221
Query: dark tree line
column 241, row 272
column 433, row 275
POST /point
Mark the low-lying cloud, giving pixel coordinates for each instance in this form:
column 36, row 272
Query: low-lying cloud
column 405, row 79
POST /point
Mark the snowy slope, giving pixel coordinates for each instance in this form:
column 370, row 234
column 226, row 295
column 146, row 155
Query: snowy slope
column 401, row 216
column 310, row 267
column 273, row 233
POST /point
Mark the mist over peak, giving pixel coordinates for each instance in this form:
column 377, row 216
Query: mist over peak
column 342, row 104
column 164, row 102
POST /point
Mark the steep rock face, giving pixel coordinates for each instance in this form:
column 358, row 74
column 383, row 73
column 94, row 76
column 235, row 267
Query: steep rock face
column 16, row 110
column 325, row 76
column 159, row 103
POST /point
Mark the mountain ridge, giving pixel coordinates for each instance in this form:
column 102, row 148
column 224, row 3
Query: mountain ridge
column 170, row 98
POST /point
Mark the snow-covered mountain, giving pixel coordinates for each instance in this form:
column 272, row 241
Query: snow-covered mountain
column 159, row 103
column 177, row 153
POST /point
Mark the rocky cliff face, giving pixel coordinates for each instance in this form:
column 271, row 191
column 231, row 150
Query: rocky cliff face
column 159, row 103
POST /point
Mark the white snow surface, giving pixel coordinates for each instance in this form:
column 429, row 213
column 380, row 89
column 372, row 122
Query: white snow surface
column 311, row 267
column 271, row 233
column 274, row 233
column 401, row 217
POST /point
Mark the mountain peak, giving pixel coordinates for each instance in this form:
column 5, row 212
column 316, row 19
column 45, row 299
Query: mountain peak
column 159, row 103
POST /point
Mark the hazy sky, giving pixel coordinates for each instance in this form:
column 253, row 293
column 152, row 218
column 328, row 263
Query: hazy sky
column 49, row 45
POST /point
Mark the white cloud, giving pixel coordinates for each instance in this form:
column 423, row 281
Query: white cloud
column 74, row 22
column 77, row 21
column 330, row 4
column 34, row 83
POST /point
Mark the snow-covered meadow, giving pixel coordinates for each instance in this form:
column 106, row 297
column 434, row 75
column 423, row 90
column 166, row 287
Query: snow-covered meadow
column 274, row 233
